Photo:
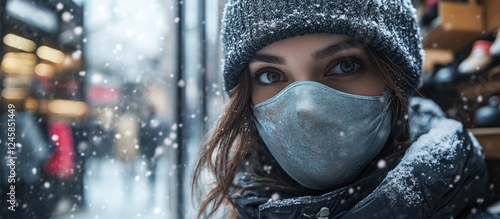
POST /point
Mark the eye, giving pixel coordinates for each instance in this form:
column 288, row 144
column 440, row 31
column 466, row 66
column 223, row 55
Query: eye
column 269, row 77
column 345, row 66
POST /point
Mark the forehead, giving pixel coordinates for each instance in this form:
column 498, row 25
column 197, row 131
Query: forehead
column 310, row 42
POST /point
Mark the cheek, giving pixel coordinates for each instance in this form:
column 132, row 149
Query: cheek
column 372, row 91
column 366, row 85
column 262, row 93
column 255, row 98
column 371, row 86
column 374, row 86
column 258, row 94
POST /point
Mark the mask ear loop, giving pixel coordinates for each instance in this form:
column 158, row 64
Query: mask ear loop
column 388, row 94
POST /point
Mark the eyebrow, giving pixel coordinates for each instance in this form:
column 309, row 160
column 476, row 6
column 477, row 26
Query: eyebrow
column 317, row 55
column 268, row 58
column 332, row 49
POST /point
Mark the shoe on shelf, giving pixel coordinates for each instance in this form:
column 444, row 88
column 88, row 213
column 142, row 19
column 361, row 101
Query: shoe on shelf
column 489, row 115
column 430, row 14
column 478, row 60
column 444, row 76
column 495, row 47
column 429, row 3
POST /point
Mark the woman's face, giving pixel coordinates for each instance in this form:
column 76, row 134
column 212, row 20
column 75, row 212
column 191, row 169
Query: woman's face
column 334, row 60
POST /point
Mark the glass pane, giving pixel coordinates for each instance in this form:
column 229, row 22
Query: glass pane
column 91, row 87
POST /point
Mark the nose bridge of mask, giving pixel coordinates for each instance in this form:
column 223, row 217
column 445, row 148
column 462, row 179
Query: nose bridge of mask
column 298, row 90
column 305, row 103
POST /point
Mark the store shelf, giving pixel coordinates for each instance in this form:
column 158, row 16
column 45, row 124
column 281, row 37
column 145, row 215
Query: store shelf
column 491, row 14
column 486, row 84
column 436, row 56
column 458, row 25
column 461, row 23
column 490, row 140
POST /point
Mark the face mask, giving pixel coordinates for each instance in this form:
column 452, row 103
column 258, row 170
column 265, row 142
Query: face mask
column 320, row 136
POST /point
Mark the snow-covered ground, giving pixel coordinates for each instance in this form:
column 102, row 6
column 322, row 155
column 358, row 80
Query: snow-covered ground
column 113, row 192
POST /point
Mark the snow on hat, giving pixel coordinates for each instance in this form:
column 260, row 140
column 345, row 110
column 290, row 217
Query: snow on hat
column 389, row 26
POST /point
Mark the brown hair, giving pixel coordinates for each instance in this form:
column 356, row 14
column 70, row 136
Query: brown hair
column 235, row 139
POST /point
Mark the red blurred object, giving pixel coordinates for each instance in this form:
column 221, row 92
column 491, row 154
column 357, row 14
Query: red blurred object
column 61, row 163
column 430, row 3
column 99, row 94
column 479, row 59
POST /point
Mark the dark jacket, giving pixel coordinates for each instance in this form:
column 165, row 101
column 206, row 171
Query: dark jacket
column 442, row 174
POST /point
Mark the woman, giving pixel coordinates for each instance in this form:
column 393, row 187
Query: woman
column 320, row 123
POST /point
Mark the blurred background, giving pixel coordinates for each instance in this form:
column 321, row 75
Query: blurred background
column 111, row 99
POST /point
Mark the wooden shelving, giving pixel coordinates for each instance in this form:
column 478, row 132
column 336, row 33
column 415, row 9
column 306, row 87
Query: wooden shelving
column 436, row 56
column 485, row 84
column 490, row 140
column 460, row 23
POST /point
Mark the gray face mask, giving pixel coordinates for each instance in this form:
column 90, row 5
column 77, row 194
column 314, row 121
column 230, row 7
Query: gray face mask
column 320, row 136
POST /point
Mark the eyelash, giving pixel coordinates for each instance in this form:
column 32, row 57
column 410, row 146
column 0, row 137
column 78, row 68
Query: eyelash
column 336, row 62
column 257, row 75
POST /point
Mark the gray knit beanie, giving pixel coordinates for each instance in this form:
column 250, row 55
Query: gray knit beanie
column 389, row 26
